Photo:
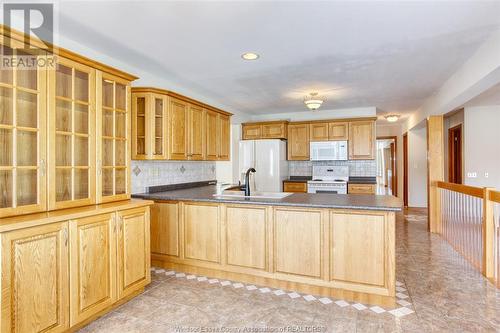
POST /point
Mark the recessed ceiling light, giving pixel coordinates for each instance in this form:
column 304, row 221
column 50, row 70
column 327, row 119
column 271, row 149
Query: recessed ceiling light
column 392, row 118
column 250, row 56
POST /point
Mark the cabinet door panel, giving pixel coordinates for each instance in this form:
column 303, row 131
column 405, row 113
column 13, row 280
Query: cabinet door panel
column 252, row 132
column 93, row 266
column 114, row 146
column 165, row 228
column 298, row 242
column 246, row 230
column 225, row 137
column 319, row 131
column 178, row 131
column 133, row 250
column 196, row 133
column 212, row 135
column 140, row 121
column 298, row 142
column 72, row 107
column 338, row 131
column 351, row 261
column 362, row 140
column 35, row 280
column 274, row 131
column 201, row 232
column 23, row 137
column 159, row 128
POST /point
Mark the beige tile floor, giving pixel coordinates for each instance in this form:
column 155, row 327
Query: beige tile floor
column 448, row 295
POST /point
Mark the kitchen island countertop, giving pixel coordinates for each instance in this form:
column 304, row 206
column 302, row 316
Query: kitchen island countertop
column 311, row 200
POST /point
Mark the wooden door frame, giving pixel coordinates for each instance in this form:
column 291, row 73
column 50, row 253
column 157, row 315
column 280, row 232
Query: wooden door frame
column 405, row 169
column 394, row 163
column 451, row 155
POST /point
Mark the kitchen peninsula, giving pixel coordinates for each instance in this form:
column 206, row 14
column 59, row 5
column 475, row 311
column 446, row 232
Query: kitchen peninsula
column 327, row 244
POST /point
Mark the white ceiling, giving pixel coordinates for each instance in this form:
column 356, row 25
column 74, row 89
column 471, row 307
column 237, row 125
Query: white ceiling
column 392, row 55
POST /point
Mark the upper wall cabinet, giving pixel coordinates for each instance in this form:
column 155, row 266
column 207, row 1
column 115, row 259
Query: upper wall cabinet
column 362, row 140
column 113, row 147
column 265, row 130
column 338, row 131
column 298, row 142
column 360, row 135
column 169, row 126
column 149, row 114
column 72, row 135
column 319, row 131
column 64, row 130
column 23, row 160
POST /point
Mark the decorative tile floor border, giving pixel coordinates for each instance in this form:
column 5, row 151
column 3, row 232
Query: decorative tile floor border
column 402, row 294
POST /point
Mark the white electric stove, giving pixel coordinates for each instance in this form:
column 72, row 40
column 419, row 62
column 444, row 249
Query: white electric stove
column 329, row 179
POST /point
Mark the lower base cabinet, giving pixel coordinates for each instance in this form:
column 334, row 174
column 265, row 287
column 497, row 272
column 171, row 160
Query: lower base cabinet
column 56, row 276
column 93, row 266
column 35, row 279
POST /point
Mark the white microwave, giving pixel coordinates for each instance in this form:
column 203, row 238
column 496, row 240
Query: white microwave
column 328, row 151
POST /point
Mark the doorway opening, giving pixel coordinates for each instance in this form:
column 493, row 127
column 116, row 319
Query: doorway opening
column 405, row 169
column 455, row 154
column 387, row 174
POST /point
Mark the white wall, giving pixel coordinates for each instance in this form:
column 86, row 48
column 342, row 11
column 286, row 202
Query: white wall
column 417, row 166
column 482, row 145
column 394, row 130
column 476, row 75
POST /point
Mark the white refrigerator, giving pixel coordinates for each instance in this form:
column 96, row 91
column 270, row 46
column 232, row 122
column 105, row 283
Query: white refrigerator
column 268, row 158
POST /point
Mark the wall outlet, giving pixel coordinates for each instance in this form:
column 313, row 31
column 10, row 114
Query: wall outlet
column 471, row 174
column 486, row 175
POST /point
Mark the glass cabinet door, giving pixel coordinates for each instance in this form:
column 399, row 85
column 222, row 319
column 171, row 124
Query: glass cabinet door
column 159, row 127
column 140, row 148
column 114, row 155
column 22, row 136
column 71, row 139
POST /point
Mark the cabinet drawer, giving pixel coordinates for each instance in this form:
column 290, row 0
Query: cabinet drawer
column 361, row 188
column 298, row 187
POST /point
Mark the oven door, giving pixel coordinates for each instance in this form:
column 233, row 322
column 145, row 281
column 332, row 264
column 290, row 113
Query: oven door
column 331, row 189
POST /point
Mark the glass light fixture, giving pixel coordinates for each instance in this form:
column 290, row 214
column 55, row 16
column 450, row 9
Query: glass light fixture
column 392, row 118
column 313, row 101
column 250, row 56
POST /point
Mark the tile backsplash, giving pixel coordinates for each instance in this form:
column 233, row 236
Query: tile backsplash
column 152, row 173
column 359, row 168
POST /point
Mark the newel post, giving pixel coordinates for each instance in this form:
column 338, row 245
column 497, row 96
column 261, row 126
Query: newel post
column 488, row 235
column 435, row 170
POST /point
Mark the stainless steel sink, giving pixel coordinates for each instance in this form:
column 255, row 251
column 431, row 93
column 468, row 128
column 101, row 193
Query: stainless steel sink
column 256, row 195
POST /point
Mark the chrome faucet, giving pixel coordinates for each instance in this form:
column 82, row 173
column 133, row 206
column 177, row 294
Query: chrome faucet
column 247, row 182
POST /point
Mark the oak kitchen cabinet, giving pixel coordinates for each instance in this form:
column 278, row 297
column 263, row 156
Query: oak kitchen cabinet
column 298, row 142
column 183, row 129
column 362, row 140
column 70, row 128
column 149, row 126
column 294, row 186
column 270, row 244
column 68, row 268
column 318, row 132
column 360, row 134
column 265, row 130
column 361, row 188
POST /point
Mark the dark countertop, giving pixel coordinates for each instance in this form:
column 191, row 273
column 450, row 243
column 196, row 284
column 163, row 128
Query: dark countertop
column 298, row 179
column 362, row 180
column 311, row 200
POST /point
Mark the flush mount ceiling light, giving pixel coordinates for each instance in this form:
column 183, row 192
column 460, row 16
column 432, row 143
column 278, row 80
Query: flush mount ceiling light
column 250, row 56
column 313, row 101
column 392, row 118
